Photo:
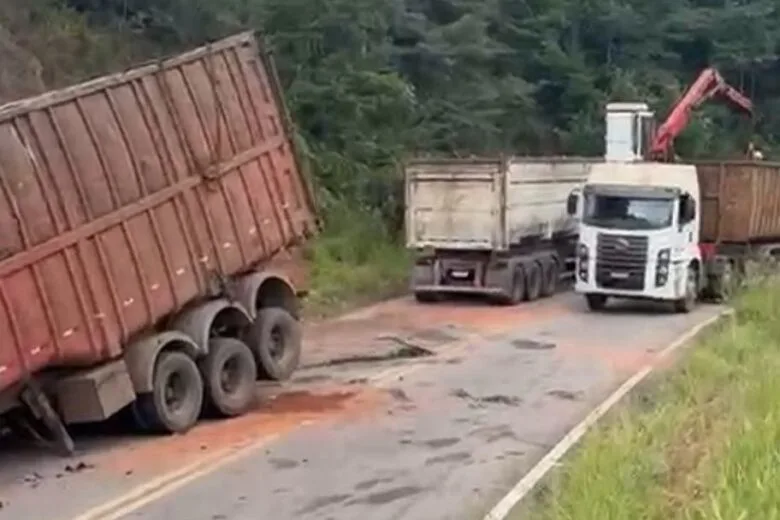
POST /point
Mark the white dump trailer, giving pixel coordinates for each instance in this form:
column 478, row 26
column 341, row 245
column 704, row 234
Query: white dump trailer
column 497, row 227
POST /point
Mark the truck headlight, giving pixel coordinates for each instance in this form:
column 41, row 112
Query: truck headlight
column 582, row 262
column 662, row 267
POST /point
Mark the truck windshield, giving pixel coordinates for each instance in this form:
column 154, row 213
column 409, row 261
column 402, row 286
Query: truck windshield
column 628, row 212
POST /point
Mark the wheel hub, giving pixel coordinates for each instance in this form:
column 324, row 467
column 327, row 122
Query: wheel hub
column 230, row 375
column 175, row 392
column 277, row 343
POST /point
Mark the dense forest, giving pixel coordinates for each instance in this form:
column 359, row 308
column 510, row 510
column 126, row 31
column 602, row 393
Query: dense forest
column 373, row 81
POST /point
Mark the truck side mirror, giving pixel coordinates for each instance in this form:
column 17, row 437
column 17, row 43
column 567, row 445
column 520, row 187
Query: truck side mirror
column 687, row 209
column 571, row 204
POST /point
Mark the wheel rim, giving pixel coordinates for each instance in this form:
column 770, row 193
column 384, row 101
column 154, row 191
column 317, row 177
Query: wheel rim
column 552, row 275
column 727, row 282
column 535, row 281
column 277, row 343
column 230, row 375
column 691, row 292
column 174, row 392
column 518, row 287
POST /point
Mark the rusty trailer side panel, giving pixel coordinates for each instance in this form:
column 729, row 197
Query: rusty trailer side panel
column 740, row 201
column 124, row 198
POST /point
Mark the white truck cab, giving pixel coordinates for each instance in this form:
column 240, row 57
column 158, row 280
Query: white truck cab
column 638, row 220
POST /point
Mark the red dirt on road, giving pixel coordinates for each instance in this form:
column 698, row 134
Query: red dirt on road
column 275, row 418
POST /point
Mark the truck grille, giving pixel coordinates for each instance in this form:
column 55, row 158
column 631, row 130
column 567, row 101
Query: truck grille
column 621, row 261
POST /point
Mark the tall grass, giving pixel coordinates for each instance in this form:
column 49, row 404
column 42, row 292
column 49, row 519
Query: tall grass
column 703, row 442
column 356, row 259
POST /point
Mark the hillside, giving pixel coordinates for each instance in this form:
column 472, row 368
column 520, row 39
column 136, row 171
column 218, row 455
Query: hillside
column 371, row 81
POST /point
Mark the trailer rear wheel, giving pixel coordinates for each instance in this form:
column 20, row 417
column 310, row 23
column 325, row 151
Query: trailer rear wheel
column 275, row 338
column 516, row 292
column 550, row 269
column 535, row 281
column 728, row 282
column 176, row 399
column 229, row 374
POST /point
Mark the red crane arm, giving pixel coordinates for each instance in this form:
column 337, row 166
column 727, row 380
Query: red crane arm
column 709, row 84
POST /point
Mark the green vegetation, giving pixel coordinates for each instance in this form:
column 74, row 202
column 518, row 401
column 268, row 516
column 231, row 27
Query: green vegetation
column 370, row 82
column 355, row 259
column 699, row 443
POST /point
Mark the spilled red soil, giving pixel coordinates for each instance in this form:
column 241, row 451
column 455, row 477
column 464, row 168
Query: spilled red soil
column 270, row 420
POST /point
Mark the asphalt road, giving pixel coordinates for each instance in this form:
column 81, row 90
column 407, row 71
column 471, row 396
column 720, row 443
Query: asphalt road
column 441, row 429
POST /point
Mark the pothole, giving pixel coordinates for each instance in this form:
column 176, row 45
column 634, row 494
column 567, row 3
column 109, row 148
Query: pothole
column 527, row 344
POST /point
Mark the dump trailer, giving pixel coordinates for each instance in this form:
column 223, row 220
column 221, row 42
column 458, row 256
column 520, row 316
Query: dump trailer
column 150, row 225
column 491, row 226
column 740, row 217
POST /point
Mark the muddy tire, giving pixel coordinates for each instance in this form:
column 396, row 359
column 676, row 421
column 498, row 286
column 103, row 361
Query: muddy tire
column 535, row 282
column 275, row 339
column 551, row 273
column 176, row 399
column 516, row 292
column 229, row 374
column 727, row 283
column 596, row 302
column 688, row 302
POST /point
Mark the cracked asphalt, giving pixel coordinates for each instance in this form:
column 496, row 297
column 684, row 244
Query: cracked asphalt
column 436, row 423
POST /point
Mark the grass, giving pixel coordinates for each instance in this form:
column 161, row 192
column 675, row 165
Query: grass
column 354, row 261
column 700, row 441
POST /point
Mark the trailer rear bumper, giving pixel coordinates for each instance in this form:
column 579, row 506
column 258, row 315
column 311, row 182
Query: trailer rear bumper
column 462, row 274
column 459, row 289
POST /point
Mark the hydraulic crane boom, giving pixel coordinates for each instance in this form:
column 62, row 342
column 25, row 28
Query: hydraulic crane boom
column 708, row 85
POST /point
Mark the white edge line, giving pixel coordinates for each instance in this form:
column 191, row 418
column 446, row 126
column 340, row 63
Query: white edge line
column 502, row 509
column 161, row 486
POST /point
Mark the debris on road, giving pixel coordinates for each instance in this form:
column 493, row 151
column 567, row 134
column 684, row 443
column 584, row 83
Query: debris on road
column 491, row 399
column 407, row 351
column 527, row 344
column 565, row 394
column 81, row 466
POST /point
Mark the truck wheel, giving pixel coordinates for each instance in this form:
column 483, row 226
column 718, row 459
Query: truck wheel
column 550, row 269
column 229, row 374
column 688, row 303
column 516, row 291
column 275, row 338
column 596, row 302
column 727, row 282
column 176, row 399
column 535, row 281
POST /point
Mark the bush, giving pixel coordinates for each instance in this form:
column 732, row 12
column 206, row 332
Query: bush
column 354, row 259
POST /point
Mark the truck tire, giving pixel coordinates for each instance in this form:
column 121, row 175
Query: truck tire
column 688, row 302
column 596, row 302
column 176, row 399
column 727, row 282
column 535, row 281
column 516, row 292
column 275, row 338
column 550, row 270
column 229, row 373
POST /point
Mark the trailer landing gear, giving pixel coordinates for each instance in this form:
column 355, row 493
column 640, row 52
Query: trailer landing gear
column 41, row 421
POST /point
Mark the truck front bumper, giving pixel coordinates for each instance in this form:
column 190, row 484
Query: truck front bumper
column 673, row 289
